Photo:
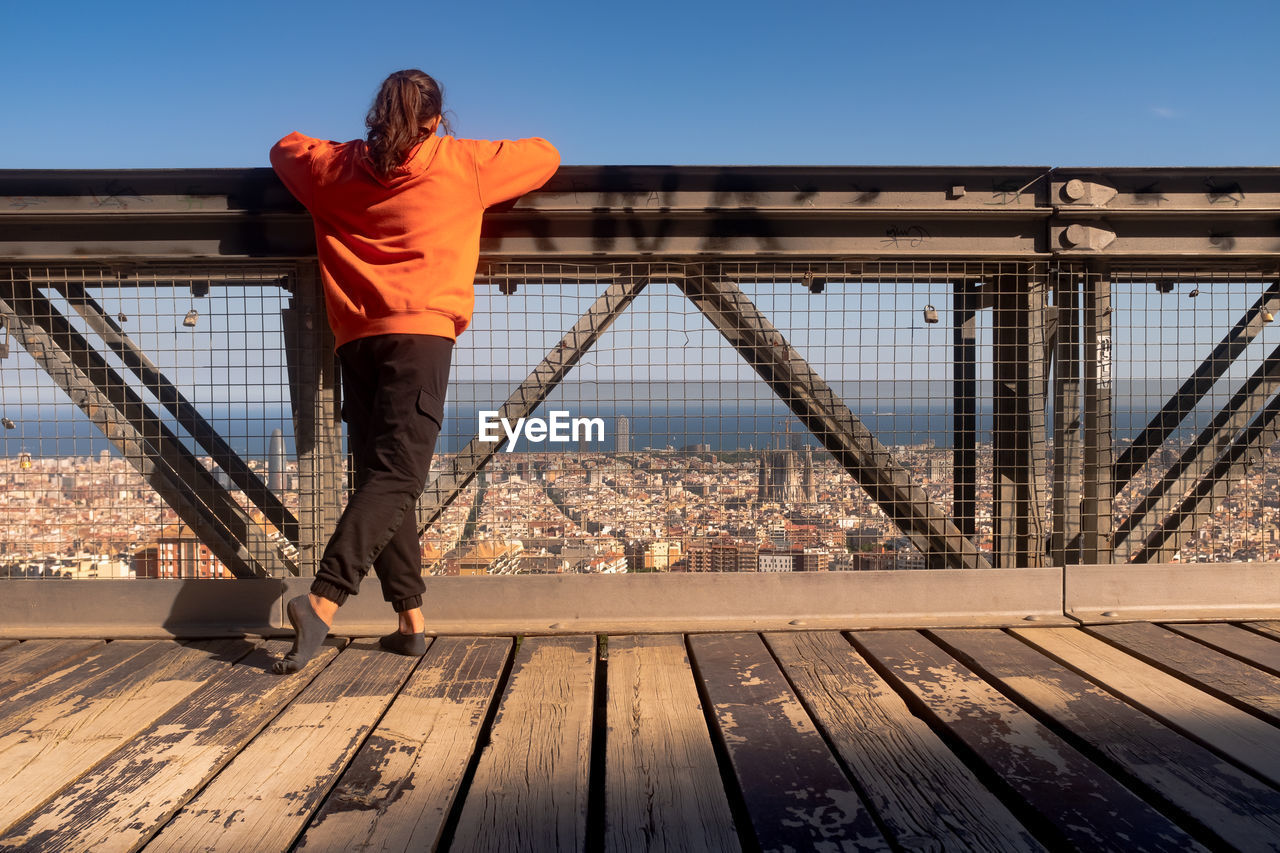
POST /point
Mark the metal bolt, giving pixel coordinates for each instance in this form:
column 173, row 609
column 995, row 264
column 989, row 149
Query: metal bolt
column 1074, row 189
column 1075, row 235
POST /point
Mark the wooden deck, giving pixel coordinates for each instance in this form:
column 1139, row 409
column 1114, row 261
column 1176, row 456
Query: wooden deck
column 1122, row 737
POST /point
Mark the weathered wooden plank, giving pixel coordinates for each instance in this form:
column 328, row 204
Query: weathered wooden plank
column 68, row 677
column 398, row 791
column 59, row 740
column 1218, row 674
column 1238, row 735
column 530, row 788
column 923, row 793
column 1269, row 629
column 32, row 660
column 7, row 644
column 1237, row 809
column 126, row 798
column 794, row 790
column 1078, row 805
column 262, row 800
column 1260, row 651
column 662, row 785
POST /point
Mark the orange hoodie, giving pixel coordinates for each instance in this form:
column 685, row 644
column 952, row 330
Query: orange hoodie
column 398, row 255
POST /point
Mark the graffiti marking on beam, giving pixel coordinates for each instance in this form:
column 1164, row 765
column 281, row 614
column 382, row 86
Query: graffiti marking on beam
column 1224, row 193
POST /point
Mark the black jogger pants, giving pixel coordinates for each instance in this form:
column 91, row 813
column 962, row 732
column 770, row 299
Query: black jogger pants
column 393, row 402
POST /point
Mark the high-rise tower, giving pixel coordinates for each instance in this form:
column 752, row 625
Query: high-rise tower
column 276, row 463
column 623, row 429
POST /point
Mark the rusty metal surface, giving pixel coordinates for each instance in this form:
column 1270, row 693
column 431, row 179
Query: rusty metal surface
column 586, row 212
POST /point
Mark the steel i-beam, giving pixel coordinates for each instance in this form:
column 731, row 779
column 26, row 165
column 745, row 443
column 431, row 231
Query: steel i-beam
column 1067, row 438
column 965, row 402
column 1018, row 443
column 1098, row 481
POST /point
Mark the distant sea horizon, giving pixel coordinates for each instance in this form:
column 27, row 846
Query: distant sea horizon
column 64, row 431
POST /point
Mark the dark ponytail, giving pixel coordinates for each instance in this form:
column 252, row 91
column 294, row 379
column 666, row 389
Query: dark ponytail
column 406, row 102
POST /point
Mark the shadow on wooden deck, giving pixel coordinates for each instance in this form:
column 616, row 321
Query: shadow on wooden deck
column 1129, row 736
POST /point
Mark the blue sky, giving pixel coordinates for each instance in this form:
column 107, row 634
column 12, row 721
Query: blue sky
column 167, row 85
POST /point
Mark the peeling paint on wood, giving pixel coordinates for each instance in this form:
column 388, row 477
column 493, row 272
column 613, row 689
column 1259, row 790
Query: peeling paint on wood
column 397, row 792
column 1242, row 737
column 919, row 789
column 1082, row 805
column 123, row 801
column 31, row 661
column 262, row 800
column 1241, row 810
column 663, row 789
column 59, row 740
column 530, row 788
column 794, row 789
column 60, row 674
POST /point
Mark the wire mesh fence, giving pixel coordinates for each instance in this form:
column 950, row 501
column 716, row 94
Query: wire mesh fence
column 633, row 417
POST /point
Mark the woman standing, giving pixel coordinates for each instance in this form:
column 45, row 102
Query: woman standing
column 397, row 221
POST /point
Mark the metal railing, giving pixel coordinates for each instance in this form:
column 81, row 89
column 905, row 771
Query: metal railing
column 1079, row 385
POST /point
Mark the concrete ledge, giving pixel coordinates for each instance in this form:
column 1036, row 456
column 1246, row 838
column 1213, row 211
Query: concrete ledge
column 1173, row 592
column 122, row 609
column 548, row 604
column 684, row 603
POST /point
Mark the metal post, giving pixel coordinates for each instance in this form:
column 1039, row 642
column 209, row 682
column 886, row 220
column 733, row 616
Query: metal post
column 1018, row 431
column 316, row 404
column 965, row 403
column 1098, row 484
column 1068, row 452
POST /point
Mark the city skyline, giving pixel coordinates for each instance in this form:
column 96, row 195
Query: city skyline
column 537, row 513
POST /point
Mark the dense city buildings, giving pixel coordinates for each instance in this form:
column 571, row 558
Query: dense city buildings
column 775, row 510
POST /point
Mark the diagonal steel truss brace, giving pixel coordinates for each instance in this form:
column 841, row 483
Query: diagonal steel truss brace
column 820, row 409
column 446, row 487
column 186, row 414
column 1187, row 397
column 142, row 438
column 1241, row 455
column 1157, row 508
column 751, row 334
